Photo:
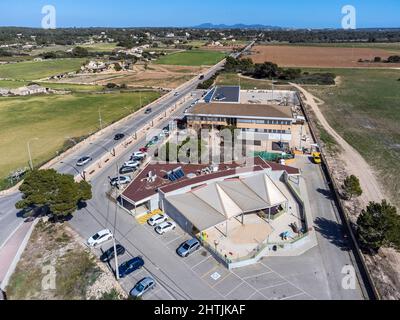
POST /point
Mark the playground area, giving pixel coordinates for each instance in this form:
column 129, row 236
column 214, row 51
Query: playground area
column 237, row 241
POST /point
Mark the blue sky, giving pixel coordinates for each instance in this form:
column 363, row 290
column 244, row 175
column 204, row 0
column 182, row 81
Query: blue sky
column 139, row 13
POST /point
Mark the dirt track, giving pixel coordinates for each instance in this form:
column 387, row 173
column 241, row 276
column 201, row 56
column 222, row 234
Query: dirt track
column 354, row 162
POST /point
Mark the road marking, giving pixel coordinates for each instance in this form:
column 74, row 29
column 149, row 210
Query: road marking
column 235, row 289
column 293, row 296
column 201, row 262
column 257, row 275
column 169, row 242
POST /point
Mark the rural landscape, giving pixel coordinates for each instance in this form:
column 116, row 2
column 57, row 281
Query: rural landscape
column 211, row 162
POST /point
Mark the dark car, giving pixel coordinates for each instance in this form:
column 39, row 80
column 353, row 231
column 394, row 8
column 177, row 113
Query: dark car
column 119, row 136
column 125, row 170
column 109, row 254
column 201, row 77
column 148, row 110
column 130, row 266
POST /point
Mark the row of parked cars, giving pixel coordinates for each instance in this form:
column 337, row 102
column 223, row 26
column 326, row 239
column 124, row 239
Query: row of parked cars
column 136, row 160
column 128, row 267
column 125, row 268
column 162, row 225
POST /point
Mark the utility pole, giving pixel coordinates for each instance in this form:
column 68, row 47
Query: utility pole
column 29, row 152
column 115, row 228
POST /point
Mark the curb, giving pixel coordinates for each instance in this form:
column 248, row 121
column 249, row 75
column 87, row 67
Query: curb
column 17, row 257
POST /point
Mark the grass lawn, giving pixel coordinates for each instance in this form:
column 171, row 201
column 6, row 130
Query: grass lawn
column 52, row 119
column 365, row 110
column 39, row 70
column 192, row 58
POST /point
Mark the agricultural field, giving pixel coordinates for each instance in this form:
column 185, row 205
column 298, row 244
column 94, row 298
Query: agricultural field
column 364, row 109
column 53, row 118
column 39, row 70
column 101, row 47
column 13, row 84
column 393, row 47
column 156, row 76
column 320, row 56
column 192, row 58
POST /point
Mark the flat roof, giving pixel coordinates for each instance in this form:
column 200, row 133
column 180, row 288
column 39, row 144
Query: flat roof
column 226, row 94
column 241, row 110
column 140, row 189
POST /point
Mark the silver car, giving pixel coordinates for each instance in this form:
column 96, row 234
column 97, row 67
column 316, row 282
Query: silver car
column 188, row 247
column 142, row 287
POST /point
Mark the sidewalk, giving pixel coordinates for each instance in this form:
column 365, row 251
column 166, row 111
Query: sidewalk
column 11, row 250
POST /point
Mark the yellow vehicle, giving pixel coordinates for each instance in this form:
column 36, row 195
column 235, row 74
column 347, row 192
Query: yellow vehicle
column 317, row 157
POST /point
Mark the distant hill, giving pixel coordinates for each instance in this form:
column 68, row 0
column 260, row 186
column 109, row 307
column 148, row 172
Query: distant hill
column 236, row 26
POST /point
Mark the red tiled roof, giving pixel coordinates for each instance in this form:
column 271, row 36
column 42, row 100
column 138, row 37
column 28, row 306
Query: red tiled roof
column 141, row 189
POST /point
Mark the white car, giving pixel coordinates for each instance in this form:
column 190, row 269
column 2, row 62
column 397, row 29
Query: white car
column 120, row 181
column 139, row 154
column 82, row 161
column 132, row 163
column 100, row 237
column 157, row 219
column 165, row 227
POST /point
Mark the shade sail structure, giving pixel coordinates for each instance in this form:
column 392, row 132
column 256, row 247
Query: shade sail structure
column 220, row 201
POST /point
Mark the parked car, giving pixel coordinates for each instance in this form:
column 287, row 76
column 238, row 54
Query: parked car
column 188, row 247
column 148, row 111
column 157, row 219
column 125, row 170
column 317, row 157
column 120, row 181
column 176, row 94
column 84, row 160
column 109, row 254
column 139, row 154
column 130, row 266
column 131, row 163
column 165, row 227
column 142, row 287
column 119, row 136
column 100, row 237
column 144, row 150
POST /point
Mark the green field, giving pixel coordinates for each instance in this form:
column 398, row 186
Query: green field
column 192, row 58
column 13, row 84
column 39, row 70
column 365, row 110
column 101, row 47
column 54, row 118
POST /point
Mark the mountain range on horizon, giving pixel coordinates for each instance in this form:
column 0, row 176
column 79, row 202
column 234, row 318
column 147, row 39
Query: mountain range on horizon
column 209, row 25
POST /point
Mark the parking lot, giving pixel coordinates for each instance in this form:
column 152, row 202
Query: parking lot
column 256, row 282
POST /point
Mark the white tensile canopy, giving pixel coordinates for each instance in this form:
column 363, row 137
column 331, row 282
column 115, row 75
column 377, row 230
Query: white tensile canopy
column 220, row 201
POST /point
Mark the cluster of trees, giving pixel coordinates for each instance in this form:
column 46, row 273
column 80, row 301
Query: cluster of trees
column 269, row 70
column 77, row 52
column 391, row 59
column 56, row 194
column 208, row 83
column 378, row 226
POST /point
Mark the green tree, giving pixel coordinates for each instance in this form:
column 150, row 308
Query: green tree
column 352, row 187
column 80, row 52
column 378, row 226
column 57, row 193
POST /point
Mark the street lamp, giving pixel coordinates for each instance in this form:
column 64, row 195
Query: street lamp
column 29, row 151
column 82, row 174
